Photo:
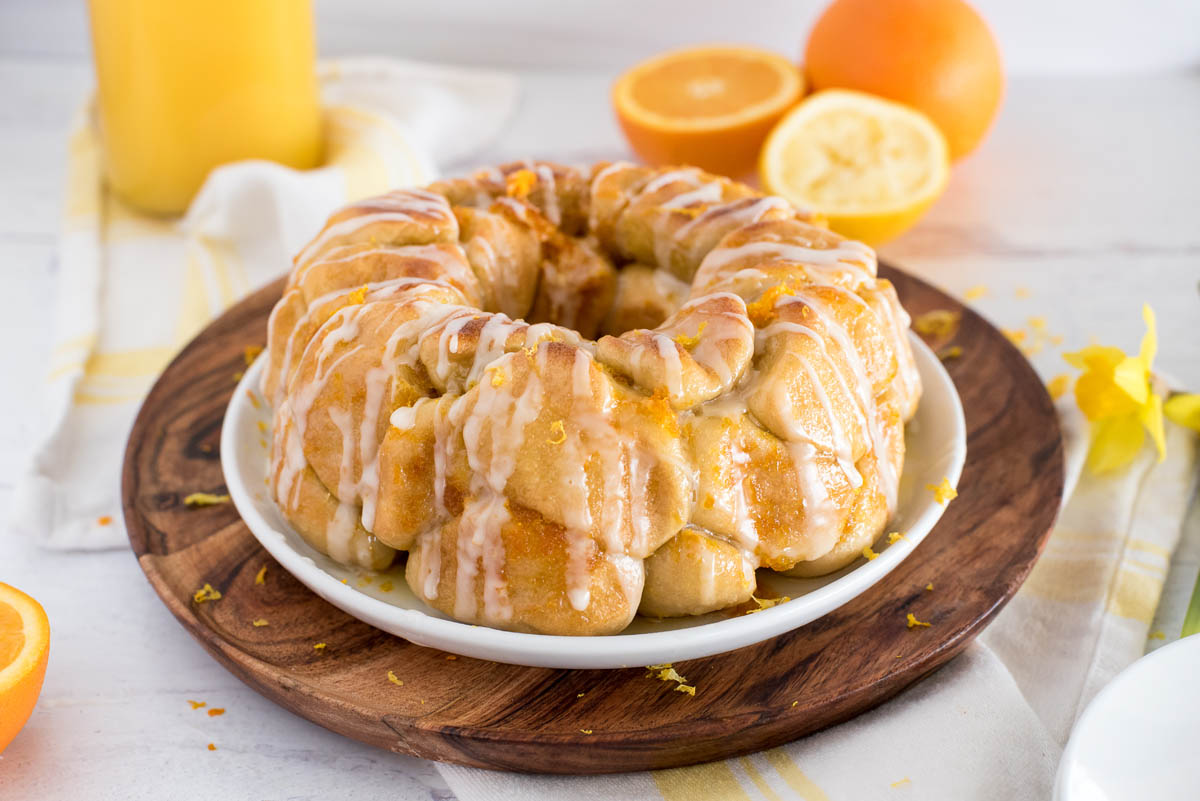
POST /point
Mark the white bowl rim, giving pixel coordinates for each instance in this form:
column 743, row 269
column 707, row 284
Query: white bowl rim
column 586, row 652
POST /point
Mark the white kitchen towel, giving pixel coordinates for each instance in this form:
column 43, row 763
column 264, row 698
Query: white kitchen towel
column 992, row 723
column 132, row 289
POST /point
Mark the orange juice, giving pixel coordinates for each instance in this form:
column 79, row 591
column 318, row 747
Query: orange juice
column 187, row 85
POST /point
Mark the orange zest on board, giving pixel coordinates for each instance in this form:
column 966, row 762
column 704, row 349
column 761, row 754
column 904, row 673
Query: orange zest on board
column 937, row 56
column 710, row 106
column 24, row 646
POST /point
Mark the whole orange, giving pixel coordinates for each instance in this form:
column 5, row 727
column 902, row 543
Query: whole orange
column 937, row 56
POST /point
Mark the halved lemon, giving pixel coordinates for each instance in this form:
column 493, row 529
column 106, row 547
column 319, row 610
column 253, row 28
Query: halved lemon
column 871, row 167
column 710, row 106
column 24, row 645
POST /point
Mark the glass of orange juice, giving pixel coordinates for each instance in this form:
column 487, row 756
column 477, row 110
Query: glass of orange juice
column 187, row 85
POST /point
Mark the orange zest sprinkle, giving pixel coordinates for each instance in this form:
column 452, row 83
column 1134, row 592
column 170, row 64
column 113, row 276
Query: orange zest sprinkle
column 212, row 747
column 216, row 712
column 975, row 292
column 392, row 678
column 938, row 323
column 902, row 782
column 666, row 672
column 104, row 520
column 497, row 377
column 689, row 342
column 868, row 554
column 895, row 537
column 520, row 183
column 929, row 587
column 586, row 731
column 943, row 493
column 560, row 433
column 1058, row 386
column 358, row 296
column 199, row 499
column 261, row 576
column 952, row 352
column 250, row 353
column 767, row 603
column 206, row 593
column 197, row 704
column 253, row 399
column 913, row 622
column 259, row 623
column 451, row 657
column 762, row 311
column 320, row 646
column 386, row 585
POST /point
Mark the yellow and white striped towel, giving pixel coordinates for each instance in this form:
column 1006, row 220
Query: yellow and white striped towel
column 992, row 723
column 132, row 289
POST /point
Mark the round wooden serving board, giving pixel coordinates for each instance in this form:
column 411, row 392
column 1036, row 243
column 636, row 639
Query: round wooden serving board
column 578, row 721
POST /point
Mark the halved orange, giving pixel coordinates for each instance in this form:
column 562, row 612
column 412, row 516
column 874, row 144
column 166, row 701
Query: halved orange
column 710, row 106
column 870, row 167
column 24, row 645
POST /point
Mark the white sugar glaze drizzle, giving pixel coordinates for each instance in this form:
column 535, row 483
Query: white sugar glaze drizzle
column 502, row 416
column 852, row 260
column 404, row 206
column 719, row 328
column 449, row 256
column 840, row 444
column 735, row 214
column 549, row 193
column 382, row 290
column 689, row 175
column 517, row 207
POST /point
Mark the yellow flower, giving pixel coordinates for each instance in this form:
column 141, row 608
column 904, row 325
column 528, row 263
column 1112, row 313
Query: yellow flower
column 1115, row 393
column 1183, row 410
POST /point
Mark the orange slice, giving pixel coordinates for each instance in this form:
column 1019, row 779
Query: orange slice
column 24, row 644
column 709, row 106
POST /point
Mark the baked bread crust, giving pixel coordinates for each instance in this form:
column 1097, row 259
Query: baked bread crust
column 438, row 389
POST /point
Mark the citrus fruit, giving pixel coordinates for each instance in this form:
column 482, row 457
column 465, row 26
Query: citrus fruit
column 937, row 56
column 708, row 106
column 24, row 644
column 871, row 167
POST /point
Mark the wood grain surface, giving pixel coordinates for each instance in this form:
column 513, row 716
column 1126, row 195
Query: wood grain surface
column 507, row 717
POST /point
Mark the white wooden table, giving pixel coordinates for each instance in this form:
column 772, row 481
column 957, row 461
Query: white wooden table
column 1082, row 204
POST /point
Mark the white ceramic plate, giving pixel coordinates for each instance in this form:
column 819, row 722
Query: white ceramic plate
column 936, row 440
column 1137, row 739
